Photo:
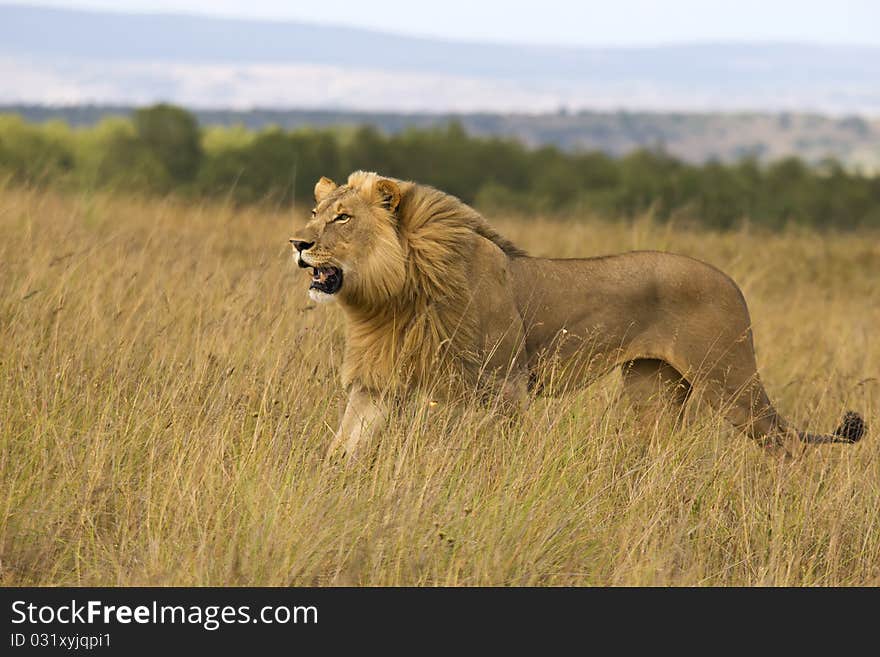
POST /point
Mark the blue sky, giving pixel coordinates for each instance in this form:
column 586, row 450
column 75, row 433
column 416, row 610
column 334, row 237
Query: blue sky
column 559, row 22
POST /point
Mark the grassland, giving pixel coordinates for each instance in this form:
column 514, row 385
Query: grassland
column 167, row 392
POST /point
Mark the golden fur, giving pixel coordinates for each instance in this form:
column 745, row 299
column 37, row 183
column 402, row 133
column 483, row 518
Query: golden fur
column 431, row 292
column 409, row 311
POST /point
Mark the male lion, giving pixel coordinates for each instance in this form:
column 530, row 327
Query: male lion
column 431, row 292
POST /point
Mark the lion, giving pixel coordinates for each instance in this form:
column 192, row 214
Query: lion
column 431, row 293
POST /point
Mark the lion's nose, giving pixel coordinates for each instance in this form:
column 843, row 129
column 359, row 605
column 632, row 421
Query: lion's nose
column 301, row 246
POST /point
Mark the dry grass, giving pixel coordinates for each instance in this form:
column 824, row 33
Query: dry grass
column 167, row 392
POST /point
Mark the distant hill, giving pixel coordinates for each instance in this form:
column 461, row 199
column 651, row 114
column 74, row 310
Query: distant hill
column 692, row 137
column 74, row 57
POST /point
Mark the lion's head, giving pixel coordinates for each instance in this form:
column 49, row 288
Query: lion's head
column 399, row 257
column 351, row 243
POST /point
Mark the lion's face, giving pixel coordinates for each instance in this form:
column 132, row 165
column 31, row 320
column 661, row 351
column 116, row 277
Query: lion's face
column 350, row 244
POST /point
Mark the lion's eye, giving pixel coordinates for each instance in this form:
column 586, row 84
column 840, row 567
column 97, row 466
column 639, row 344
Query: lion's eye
column 341, row 218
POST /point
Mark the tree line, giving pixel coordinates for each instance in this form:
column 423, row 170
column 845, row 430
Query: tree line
column 162, row 149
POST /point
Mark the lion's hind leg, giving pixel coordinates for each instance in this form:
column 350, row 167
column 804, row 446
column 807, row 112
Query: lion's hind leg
column 655, row 389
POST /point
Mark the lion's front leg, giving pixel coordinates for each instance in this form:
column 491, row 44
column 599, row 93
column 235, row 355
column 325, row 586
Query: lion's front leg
column 363, row 417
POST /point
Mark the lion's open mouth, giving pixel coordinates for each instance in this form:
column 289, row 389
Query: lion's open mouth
column 326, row 279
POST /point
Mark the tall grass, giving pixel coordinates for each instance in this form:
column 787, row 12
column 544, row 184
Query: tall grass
column 167, row 392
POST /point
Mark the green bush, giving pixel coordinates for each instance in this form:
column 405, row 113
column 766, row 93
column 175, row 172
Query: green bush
column 172, row 135
column 112, row 155
column 32, row 153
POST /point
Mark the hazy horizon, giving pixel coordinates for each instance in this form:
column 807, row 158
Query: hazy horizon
column 624, row 24
column 70, row 56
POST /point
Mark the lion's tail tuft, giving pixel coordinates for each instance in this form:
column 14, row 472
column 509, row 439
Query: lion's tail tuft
column 852, row 428
column 850, row 431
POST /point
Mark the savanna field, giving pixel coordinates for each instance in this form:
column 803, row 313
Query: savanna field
column 168, row 391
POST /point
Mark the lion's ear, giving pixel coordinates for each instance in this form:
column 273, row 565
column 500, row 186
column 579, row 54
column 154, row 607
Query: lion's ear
column 323, row 187
column 387, row 194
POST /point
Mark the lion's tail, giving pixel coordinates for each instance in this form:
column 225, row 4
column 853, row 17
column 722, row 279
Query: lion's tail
column 850, row 431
